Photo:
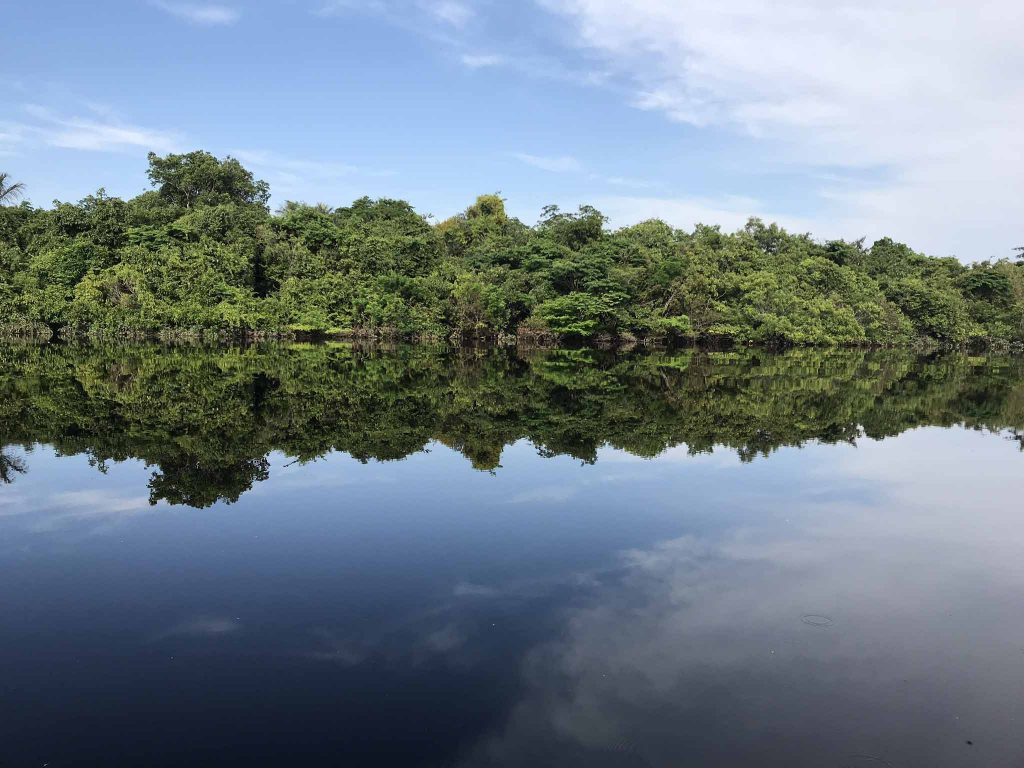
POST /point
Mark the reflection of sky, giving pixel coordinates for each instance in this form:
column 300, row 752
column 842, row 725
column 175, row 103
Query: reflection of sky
column 626, row 613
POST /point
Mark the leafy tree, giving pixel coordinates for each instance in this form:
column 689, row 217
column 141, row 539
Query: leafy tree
column 202, row 254
column 199, row 178
column 205, row 420
column 573, row 230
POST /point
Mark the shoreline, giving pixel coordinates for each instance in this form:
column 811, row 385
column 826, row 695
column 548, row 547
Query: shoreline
column 38, row 334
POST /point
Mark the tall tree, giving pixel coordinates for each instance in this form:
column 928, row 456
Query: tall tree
column 199, row 178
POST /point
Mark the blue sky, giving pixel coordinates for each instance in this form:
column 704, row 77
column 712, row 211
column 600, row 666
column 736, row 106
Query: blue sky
column 898, row 117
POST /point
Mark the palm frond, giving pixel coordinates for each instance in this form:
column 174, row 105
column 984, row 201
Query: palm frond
column 10, row 191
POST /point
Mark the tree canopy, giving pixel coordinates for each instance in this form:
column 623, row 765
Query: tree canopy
column 201, row 253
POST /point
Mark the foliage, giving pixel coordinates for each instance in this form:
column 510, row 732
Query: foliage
column 10, row 190
column 202, row 251
column 206, row 421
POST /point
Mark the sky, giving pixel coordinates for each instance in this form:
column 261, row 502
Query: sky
column 898, row 117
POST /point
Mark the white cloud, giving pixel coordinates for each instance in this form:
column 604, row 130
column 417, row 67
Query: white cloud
column 204, row 14
column 623, row 181
column 103, row 133
column 296, row 178
column 569, row 164
column 560, row 164
column 339, row 7
column 273, row 161
column 481, row 60
column 11, row 135
column 930, row 92
column 444, row 13
column 449, row 11
column 541, row 68
column 730, row 212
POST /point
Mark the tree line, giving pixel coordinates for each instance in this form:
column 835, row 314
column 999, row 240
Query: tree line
column 206, row 420
column 201, row 253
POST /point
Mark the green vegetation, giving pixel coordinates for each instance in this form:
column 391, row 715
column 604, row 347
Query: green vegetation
column 206, row 421
column 202, row 254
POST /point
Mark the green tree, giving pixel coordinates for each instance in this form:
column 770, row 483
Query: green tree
column 199, row 178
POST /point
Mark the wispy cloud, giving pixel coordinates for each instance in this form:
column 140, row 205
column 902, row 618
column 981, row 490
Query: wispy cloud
column 481, row 60
column 530, row 65
column 66, row 509
column 448, row 11
column 11, row 135
column 289, row 165
column 559, row 164
column 93, row 502
column 928, row 92
column 622, row 181
column 339, row 7
column 469, row 589
column 100, row 133
column 569, row 164
column 200, row 13
column 293, row 178
column 729, row 211
column 450, row 25
column 552, row 494
column 297, row 170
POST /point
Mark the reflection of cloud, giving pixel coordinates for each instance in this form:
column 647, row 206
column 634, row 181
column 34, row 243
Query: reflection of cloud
column 335, row 649
column 203, row 626
column 333, row 470
column 66, row 508
column 465, row 589
column 696, row 651
column 446, row 639
column 12, row 503
column 722, row 457
column 545, row 494
column 95, row 502
column 414, row 639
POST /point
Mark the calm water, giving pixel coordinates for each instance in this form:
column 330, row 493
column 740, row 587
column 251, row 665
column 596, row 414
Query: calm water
column 321, row 556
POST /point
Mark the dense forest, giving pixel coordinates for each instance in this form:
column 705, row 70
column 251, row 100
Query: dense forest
column 202, row 254
column 207, row 421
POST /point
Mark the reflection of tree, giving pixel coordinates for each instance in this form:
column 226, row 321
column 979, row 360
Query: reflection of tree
column 10, row 466
column 197, row 485
column 206, row 420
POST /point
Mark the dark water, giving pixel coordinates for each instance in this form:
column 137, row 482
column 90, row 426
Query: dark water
column 325, row 557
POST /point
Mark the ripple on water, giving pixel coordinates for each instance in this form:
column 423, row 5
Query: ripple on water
column 816, row 620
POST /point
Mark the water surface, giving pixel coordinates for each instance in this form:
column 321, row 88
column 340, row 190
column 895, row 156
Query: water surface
column 326, row 556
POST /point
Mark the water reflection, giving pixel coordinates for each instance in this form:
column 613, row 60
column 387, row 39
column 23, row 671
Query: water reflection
column 206, row 421
column 840, row 586
column 698, row 651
